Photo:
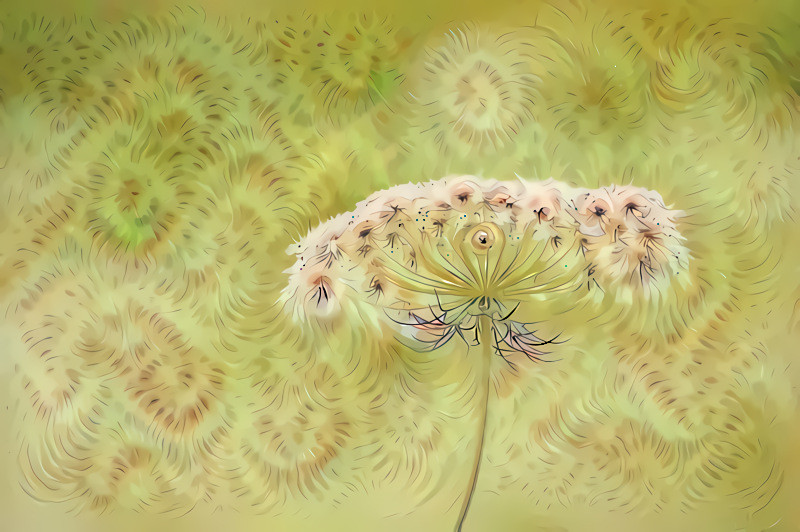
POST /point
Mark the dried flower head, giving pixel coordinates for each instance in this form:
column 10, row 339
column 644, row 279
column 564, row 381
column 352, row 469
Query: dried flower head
column 432, row 258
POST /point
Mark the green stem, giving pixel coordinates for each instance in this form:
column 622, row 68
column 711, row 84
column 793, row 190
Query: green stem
column 481, row 359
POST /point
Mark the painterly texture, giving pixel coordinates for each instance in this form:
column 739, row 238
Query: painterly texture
column 163, row 354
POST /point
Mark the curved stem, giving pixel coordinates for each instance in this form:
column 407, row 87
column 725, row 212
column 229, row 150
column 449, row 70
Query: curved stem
column 482, row 361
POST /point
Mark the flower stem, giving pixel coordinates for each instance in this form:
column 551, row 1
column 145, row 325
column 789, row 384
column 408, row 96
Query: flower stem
column 481, row 359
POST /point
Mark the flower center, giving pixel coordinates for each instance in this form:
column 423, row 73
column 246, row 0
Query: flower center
column 482, row 238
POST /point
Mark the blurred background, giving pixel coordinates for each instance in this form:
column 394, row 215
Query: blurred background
column 156, row 163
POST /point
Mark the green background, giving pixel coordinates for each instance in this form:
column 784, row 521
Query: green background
column 155, row 164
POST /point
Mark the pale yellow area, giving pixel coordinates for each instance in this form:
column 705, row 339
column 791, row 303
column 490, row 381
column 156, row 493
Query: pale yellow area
column 156, row 162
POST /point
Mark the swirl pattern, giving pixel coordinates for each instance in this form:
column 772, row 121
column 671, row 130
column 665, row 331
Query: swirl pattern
column 476, row 91
column 337, row 67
